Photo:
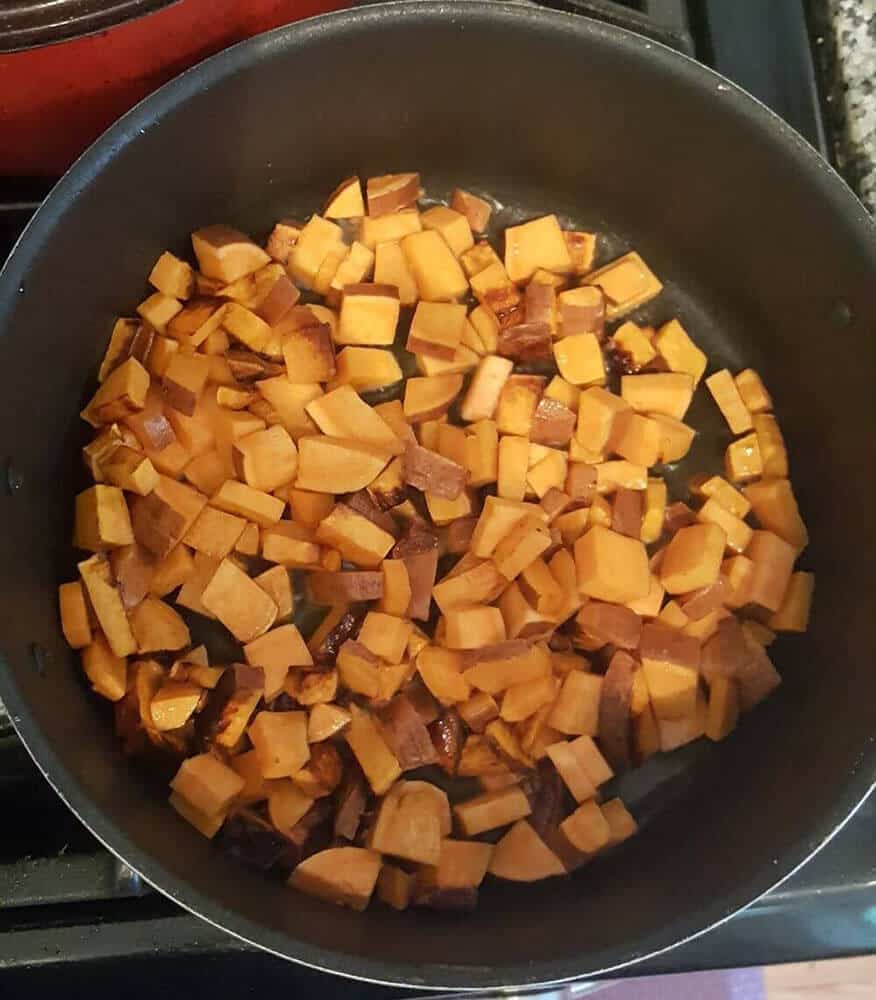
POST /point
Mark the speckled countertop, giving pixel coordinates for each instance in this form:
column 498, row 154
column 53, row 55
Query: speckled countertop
column 846, row 50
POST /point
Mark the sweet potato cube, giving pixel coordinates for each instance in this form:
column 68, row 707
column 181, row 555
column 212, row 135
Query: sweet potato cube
column 668, row 393
column 102, row 519
column 521, row 619
column 497, row 519
column 587, row 830
column 582, row 310
column 579, row 359
column 158, row 310
column 512, row 467
column 476, row 210
column 737, row 531
column 238, row 602
column 581, row 766
column 675, row 437
column 391, row 268
column 75, row 623
column 726, row 395
column 480, row 584
column 473, row 627
column 157, row 626
column 773, row 560
column 214, row 532
column 366, row 368
column 123, row 392
column 533, row 245
column 411, row 822
column 440, row 671
column 172, row 276
column 276, row 652
column 582, row 250
column 598, row 411
column 452, row 225
column 718, row 489
column 462, row 865
column 325, row 721
column 793, row 615
column 280, row 742
column 207, row 784
column 436, row 329
column 207, row 826
column 621, row 824
column 391, row 192
column 385, row 635
column 723, row 708
column 633, row 345
column 342, row 413
column 486, row 386
column 395, row 887
column 106, row 672
column 636, row 438
column 226, row 254
column 369, row 315
column 345, row 876
column 346, row 201
column 775, row 507
column 478, row 711
column 549, row 473
column 338, row 465
column 524, row 543
column 289, row 544
column 317, row 241
column 771, row 445
column 627, row 284
column 107, row 605
column 576, row 710
column 523, row 700
column 430, row 397
column 174, row 704
column 309, row 354
column 266, row 459
column 357, row 539
column 679, row 352
column 693, row 558
column 492, row 810
column 130, row 470
column 654, row 510
column 247, row 502
column 522, row 856
column 375, row 758
column 753, row 391
column 435, row 269
column 611, row 567
column 742, row 459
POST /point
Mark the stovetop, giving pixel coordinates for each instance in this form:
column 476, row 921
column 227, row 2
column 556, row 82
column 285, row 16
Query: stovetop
column 72, row 918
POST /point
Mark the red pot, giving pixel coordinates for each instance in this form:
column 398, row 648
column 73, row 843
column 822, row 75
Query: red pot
column 55, row 100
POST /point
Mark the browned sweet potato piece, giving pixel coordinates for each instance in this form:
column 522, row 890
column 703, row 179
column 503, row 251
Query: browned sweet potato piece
column 627, row 511
column 526, row 342
column 342, row 875
column 447, row 738
column 522, row 856
column 231, row 705
column 413, row 819
column 346, row 627
column 553, row 423
column 433, row 473
column 350, row 801
column 614, row 711
column 610, row 623
column 345, row 587
column 406, row 734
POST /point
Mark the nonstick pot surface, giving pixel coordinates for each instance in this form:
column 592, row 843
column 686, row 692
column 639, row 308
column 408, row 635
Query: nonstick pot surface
column 768, row 260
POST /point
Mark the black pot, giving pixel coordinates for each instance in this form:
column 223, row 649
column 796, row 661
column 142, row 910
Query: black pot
column 768, row 259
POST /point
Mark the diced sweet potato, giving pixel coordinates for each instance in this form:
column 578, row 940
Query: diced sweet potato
column 280, row 742
column 615, row 710
column 157, row 626
column 723, row 710
column 773, row 560
column 428, row 471
column 413, row 818
column 476, row 210
column 793, row 614
column 581, row 766
column 495, row 809
column 522, row 856
column 102, row 519
column 627, row 283
column 611, row 567
column 753, row 391
column 679, row 351
column 726, row 395
column 742, row 459
column 579, row 359
column 238, row 602
column 481, row 584
column 345, row 587
column 342, row 875
column 693, row 558
column 534, row 245
column 207, row 784
column 582, row 310
column 326, row 721
column 75, row 622
column 391, row 192
column 667, row 393
column 440, row 670
column 587, row 829
column 775, row 507
column 473, row 627
column 377, row 761
column 435, row 269
column 106, row 672
column 356, row 537
column 107, row 605
column 430, row 397
column 576, row 709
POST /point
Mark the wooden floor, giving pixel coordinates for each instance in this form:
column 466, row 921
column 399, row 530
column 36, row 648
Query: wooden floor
column 842, row 979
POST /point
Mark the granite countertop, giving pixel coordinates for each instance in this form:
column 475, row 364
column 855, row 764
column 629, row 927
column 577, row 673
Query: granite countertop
column 846, row 49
